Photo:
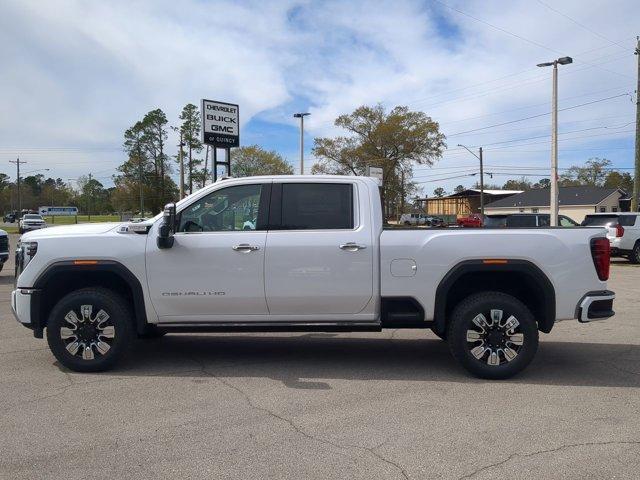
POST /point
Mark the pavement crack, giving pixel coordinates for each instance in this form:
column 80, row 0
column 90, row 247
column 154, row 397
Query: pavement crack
column 550, row 450
column 299, row 429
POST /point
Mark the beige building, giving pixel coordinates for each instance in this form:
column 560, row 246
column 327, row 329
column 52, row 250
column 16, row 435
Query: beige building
column 574, row 202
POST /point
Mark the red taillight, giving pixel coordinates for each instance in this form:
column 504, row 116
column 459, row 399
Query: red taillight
column 601, row 253
column 619, row 230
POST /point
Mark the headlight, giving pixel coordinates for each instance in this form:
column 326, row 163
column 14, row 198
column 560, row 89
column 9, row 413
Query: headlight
column 25, row 252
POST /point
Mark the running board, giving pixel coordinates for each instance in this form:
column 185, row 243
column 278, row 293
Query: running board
column 271, row 327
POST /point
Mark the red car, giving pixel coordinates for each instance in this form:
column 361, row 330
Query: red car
column 473, row 220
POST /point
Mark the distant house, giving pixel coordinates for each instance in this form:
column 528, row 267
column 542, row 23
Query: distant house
column 574, row 202
column 463, row 203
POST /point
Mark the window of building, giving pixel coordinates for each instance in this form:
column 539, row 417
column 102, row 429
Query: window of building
column 614, row 209
column 535, row 210
column 603, row 209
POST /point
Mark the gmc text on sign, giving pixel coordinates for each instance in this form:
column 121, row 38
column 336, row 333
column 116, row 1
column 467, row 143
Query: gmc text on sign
column 220, row 124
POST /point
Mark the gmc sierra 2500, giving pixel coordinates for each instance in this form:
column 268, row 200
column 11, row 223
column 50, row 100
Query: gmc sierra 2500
column 314, row 257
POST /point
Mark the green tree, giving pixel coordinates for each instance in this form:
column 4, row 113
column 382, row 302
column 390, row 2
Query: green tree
column 623, row 181
column 522, row 184
column 254, row 160
column 592, row 173
column 543, row 183
column 154, row 139
column 190, row 129
column 394, row 140
column 459, row 189
column 439, row 192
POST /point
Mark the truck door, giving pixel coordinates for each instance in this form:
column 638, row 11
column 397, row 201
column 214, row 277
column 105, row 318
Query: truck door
column 216, row 265
column 319, row 253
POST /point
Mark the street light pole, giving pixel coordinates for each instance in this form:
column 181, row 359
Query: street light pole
column 554, row 148
column 301, row 117
column 553, row 204
column 479, row 157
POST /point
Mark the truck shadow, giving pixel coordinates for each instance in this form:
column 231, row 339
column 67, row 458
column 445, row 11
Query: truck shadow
column 311, row 361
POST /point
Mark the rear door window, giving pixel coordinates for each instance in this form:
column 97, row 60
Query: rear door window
column 521, row 221
column 495, row 221
column 599, row 220
column 317, row 206
column 627, row 220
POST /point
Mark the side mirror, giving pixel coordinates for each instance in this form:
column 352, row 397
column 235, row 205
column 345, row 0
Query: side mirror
column 167, row 227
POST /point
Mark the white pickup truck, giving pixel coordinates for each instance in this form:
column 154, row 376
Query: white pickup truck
column 316, row 258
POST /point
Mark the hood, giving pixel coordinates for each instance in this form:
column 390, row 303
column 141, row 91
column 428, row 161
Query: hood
column 70, row 230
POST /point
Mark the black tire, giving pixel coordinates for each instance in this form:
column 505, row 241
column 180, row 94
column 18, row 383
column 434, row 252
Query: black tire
column 408, row 224
column 635, row 254
column 496, row 343
column 119, row 339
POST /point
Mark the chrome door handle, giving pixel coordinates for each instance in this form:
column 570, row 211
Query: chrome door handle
column 352, row 247
column 245, row 247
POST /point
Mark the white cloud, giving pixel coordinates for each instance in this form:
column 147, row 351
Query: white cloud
column 76, row 74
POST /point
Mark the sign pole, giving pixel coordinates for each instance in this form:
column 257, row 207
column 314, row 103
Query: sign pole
column 215, row 164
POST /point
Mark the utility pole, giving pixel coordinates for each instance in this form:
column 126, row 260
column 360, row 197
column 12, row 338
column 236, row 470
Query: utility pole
column 141, row 187
column 481, row 184
column 301, row 117
column 18, row 162
column 635, row 199
column 89, row 192
column 479, row 157
column 180, row 157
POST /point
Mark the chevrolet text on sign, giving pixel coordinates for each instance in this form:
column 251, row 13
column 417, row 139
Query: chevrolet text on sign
column 220, row 124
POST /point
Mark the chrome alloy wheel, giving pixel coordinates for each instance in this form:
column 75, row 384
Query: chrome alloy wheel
column 495, row 341
column 87, row 335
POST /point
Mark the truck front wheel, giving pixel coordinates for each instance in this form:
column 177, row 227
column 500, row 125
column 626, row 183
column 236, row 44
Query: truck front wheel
column 493, row 335
column 89, row 330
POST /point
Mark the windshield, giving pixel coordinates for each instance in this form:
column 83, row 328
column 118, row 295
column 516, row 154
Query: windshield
column 599, row 220
column 33, row 217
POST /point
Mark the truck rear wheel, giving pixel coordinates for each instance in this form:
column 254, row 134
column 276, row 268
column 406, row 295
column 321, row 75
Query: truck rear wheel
column 493, row 335
column 90, row 330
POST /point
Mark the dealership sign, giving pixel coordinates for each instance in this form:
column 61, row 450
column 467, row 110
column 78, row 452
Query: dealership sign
column 220, row 124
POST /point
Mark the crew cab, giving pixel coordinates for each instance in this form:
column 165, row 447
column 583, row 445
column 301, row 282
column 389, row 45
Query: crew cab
column 623, row 232
column 317, row 258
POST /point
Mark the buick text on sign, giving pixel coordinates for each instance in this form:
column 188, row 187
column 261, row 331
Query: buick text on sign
column 220, row 124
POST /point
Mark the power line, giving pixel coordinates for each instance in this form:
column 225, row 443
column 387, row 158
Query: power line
column 539, row 115
column 562, row 133
column 521, row 37
column 596, row 33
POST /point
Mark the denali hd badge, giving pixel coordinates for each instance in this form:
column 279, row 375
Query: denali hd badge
column 192, row 294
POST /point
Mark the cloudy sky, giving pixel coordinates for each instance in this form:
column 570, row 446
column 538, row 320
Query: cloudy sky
column 76, row 74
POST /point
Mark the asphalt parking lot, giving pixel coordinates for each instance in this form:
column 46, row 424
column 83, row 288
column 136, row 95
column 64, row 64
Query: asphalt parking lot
column 366, row 405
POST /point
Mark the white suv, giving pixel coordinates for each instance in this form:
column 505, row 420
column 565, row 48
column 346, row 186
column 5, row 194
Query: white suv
column 623, row 232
